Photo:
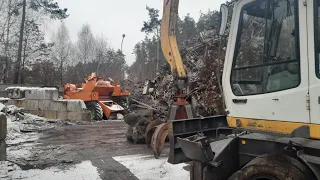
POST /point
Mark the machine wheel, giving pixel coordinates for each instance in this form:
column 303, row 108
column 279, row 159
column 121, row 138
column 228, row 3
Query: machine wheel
column 196, row 171
column 3, row 151
column 95, row 110
column 273, row 167
column 3, row 126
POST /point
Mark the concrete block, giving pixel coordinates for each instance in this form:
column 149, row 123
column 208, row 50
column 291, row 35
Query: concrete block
column 50, row 114
column 76, row 106
column 41, row 94
column 60, row 105
column 28, row 111
column 32, row 93
column 34, row 112
column 79, row 116
column 31, row 104
column 44, row 105
column 49, row 105
column 3, row 126
column 20, row 103
column 62, row 115
column 15, row 93
column 3, row 150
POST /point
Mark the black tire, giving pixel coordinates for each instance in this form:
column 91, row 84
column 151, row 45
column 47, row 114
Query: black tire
column 273, row 167
column 196, row 171
column 3, row 126
column 95, row 110
column 3, row 151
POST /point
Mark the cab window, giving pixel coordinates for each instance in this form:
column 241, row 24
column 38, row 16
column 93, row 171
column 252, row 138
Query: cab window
column 266, row 57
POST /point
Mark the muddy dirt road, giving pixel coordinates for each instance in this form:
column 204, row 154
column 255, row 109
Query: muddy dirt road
column 92, row 150
column 97, row 142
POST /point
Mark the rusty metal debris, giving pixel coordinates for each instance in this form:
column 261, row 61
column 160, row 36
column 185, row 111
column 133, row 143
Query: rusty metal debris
column 158, row 139
column 152, row 98
column 152, row 126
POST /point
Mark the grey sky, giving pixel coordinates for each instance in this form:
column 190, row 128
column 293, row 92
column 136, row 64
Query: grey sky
column 117, row 17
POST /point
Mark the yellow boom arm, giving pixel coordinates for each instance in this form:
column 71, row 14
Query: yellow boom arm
column 169, row 43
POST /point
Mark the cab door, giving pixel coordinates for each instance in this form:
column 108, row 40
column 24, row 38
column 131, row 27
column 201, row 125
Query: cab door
column 266, row 72
column 313, row 22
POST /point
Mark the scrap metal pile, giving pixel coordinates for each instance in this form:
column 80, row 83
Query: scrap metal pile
column 150, row 100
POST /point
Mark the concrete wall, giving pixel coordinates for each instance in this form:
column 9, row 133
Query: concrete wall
column 53, row 109
column 44, row 102
column 3, row 92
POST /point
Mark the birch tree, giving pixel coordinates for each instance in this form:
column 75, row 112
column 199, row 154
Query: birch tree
column 61, row 49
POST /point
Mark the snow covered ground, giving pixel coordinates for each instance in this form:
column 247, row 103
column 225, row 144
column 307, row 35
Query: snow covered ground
column 24, row 148
column 82, row 171
column 146, row 167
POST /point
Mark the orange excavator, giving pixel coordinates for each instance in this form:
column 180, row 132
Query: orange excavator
column 101, row 97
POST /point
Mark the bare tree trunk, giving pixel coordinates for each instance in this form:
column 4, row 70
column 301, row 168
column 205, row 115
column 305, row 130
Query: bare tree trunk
column 6, row 48
column 24, row 59
column 61, row 72
column 18, row 62
column 158, row 53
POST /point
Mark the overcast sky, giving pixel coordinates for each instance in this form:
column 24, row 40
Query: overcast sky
column 112, row 18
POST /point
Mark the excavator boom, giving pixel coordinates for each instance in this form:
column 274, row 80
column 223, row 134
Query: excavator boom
column 180, row 108
column 169, row 43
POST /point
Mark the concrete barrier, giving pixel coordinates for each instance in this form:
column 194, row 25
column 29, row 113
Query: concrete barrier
column 3, row 87
column 62, row 115
column 32, row 93
column 3, row 150
column 3, row 126
column 76, row 106
column 43, row 102
column 49, row 105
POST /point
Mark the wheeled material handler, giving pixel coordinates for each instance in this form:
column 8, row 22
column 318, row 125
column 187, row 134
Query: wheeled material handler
column 271, row 88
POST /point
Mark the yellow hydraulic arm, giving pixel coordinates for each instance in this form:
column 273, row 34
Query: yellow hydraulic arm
column 180, row 108
column 169, row 43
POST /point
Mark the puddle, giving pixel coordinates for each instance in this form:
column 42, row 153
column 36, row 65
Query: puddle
column 82, row 171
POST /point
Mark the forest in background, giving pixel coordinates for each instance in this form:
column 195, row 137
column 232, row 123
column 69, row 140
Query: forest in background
column 26, row 58
column 149, row 57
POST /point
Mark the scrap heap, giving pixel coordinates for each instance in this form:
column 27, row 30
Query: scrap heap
column 151, row 99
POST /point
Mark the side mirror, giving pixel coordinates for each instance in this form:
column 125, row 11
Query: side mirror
column 223, row 18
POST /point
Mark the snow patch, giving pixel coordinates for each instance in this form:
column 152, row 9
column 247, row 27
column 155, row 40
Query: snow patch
column 146, row 167
column 6, row 167
column 84, row 170
column 4, row 99
column 120, row 116
column 14, row 128
column 2, row 106
column 31, row 88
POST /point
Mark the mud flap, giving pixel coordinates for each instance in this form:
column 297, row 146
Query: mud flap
column 217, row 160
column 208, row 126
column 313, row 162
